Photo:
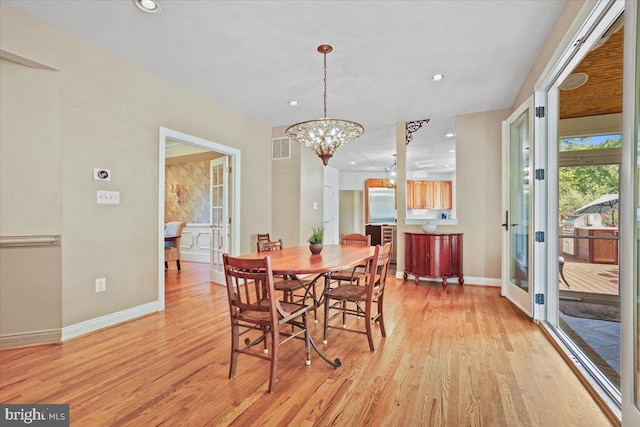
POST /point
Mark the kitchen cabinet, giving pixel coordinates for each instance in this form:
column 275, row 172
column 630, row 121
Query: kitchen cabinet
column 442, row 194
column 376, row 182
column 410, row 189
column 437, row 255
column 429, row 194
column 600, row 245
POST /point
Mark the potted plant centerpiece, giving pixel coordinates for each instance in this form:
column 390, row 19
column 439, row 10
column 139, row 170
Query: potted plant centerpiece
column 316, row 239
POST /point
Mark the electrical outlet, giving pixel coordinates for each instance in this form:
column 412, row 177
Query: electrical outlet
column 101, row 284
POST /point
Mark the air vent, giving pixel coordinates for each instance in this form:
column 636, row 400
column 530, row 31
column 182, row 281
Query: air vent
column 281, row 148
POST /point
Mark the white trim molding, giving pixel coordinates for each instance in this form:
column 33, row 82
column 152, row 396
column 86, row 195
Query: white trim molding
column 112, row 319
column 28, row 339
column 468, row 280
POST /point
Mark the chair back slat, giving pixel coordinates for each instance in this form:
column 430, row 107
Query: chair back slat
column 355, row 239
column 249, row 284
column 264, row 237
column 384, row 258
column 370, row 272
column 270, row 246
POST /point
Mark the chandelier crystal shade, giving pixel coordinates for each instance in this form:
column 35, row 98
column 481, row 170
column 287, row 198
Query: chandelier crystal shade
column 324, row 136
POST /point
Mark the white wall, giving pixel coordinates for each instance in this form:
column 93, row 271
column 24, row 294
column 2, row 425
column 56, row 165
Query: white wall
column 355, row 180
column 110, row 115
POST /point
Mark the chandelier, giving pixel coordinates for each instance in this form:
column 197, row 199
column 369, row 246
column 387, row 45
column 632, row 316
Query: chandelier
column 324, row 136
column 391, row 173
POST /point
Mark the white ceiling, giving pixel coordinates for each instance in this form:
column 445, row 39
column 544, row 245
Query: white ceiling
column 256, row 56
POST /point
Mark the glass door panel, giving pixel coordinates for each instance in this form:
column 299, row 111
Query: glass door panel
column 518, row 156
column 519, row 202
column 589, row 291
column 219, row 216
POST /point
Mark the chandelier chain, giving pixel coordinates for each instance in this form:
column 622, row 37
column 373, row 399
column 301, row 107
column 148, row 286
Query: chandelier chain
column 325, row 84
column 324, row 136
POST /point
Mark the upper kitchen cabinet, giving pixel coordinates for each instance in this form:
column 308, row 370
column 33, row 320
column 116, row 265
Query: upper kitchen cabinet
column 429, row 194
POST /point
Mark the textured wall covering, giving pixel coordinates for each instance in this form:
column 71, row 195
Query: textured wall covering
column 192, row 206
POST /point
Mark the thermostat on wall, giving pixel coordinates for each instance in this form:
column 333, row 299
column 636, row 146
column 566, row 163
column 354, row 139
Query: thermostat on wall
column 101, row 174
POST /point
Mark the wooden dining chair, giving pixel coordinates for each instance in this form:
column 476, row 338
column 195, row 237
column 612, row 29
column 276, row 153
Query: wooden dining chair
column 172, row 248
column 349, row 299
column 255, row 310
column 352, row 275
column 288, row 284
column 264, row 237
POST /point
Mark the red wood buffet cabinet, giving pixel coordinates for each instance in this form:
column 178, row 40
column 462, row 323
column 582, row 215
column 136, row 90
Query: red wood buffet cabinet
column 433, row 255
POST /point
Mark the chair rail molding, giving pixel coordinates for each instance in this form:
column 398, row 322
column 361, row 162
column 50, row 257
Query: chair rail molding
column 29, row 241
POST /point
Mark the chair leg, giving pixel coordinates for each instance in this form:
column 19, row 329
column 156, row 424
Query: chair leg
column 315, row 310
column 344, row 314
column 275, row 344
column 367, row 319
column 381, row 316
column 265, row 339
column 561, row 271
column 326, row 320
column 307, row 338
column 235, row 340
column 178, row 263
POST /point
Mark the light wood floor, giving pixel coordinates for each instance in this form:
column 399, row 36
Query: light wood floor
column 456, row 357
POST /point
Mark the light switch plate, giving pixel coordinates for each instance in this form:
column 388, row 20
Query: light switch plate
column 100, row 174
column 108, row 197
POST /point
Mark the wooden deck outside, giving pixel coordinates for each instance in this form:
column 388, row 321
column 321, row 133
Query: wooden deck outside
column 587, row 277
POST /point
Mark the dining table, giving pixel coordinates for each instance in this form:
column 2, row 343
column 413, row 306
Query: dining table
column 298, row 260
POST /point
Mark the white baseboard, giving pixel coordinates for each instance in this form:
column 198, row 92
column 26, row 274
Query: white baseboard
column 468, row 280
column 105, row 321
column 26, row 339
column 195, row 256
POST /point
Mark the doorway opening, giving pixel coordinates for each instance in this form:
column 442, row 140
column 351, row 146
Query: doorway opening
column 586, row 309
column 212, row 212
column 589, row 291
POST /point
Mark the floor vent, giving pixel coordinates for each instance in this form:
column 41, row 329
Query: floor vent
column 281, row 148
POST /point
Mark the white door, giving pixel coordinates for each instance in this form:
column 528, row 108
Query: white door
column 329, row 215
column 219, row 197
column 517, row 185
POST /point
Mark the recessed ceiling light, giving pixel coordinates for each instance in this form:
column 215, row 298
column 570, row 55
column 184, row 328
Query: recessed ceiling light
column 352, row 163
column 452, row 151
column 424, row 164
column 450, row 135
column 149, row 6
column 446, row 166
column 574, row 81
column 293, row 103
column 437, row 77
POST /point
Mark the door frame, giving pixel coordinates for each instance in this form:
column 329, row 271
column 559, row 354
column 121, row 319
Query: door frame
column 235, row 161
column 591, row 22
column 629, row 188
column 217, row 276
column 523, row 300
